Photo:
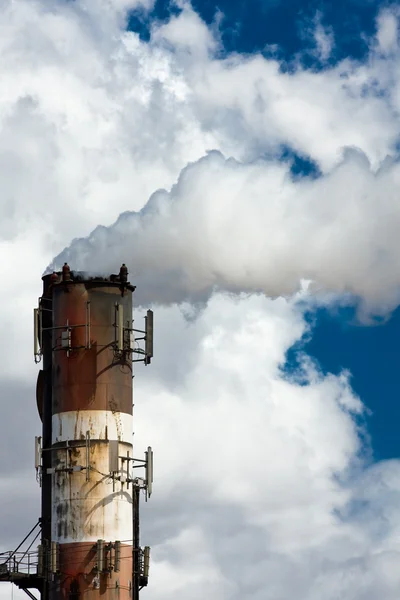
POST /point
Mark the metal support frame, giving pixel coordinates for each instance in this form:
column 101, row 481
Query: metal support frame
column 147, row 337
column 144, row 484
column 39, row 329
column 29, row 593
column 38, row 453
column 108, row 556
column 67, row 447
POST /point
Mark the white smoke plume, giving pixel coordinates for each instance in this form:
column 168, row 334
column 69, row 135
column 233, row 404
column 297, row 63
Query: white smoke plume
column 252, row 227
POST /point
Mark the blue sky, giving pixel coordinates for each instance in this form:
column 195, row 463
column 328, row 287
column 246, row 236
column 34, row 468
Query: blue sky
column 250, row 26
column 339, row 341
column 371, row 354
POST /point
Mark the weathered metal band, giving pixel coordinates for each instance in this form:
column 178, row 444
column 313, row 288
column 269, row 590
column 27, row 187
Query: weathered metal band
column 78, row 565
column 93, row 396
column 90, row 374
column 90, row 505
column 101, row 425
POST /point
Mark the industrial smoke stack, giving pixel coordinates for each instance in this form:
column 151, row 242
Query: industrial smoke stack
column 84, row 459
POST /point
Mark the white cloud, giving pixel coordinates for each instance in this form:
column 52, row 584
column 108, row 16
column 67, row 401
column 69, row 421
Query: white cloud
column 186, row 33
column 324, row 38
column 387, row 31
column 256, row 475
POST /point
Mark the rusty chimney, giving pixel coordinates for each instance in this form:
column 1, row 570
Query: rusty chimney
column 90, row 483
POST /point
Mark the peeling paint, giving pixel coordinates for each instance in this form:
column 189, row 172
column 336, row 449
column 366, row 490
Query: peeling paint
column 102, row 425
column 86, row 511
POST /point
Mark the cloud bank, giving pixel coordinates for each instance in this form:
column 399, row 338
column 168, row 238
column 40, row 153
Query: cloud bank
column 261, row 487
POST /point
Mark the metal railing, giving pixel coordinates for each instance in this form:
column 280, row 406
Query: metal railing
column 18, row 563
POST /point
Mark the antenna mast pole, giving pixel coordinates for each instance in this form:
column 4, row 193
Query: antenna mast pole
column 136, row 543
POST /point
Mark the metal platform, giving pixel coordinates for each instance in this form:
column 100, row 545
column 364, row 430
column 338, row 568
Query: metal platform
column 20, row 568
